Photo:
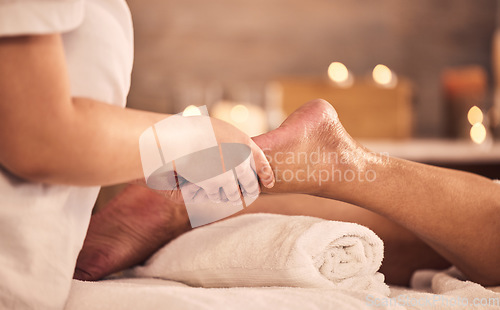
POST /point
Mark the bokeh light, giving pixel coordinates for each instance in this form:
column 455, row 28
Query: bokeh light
column 338, row 72
column 191, row 110
column 475, row 115
column 478, row 133
column 239, row 113
column 383, row 76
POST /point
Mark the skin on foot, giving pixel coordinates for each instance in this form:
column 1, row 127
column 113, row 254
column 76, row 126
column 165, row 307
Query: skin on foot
column 130, row 228
column 312, row 149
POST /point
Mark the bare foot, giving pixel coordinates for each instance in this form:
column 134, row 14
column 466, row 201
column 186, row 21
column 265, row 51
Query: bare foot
column 130, row 228
column 310, row 150
column 302, row 153
column 312, row 153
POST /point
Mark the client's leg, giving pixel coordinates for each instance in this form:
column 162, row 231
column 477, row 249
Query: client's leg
column 454, row 212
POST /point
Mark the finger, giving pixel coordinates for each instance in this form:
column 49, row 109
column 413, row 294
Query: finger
column 232, row 191
column 189, row 192
column 223, row 196
column 252, row 188
column 200, row 196
column 247, row 178
column 262, row 166
column 212, row 188
column 213, row 194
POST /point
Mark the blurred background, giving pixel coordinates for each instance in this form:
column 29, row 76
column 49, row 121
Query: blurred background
column 252, row 62
column 198, row 52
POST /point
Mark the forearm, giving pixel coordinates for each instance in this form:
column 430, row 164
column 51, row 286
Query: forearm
column 47, row 136
column 455, row 212
column 94, row 144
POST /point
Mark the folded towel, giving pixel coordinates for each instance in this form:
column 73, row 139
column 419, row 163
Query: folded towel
column 273, row 250
column 447, row 290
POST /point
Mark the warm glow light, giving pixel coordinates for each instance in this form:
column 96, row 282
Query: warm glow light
column 239, row 113
column 475, row 115
column 247, row 117
column 191, row 110
column 478, row 133
column 383, row 76
column 338, row 72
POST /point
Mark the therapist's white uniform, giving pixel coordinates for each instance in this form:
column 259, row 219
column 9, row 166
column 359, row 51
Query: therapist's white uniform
column 42, row 227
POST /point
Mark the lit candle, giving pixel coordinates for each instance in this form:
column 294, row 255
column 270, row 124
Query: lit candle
column 478, row 133
column 249, row 118
column 465, row 91
column 191, row 110
column 384, row 77
column 475, row 115
column 338, row 73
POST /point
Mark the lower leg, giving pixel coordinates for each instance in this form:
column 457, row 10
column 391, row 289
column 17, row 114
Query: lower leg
column 454, row 212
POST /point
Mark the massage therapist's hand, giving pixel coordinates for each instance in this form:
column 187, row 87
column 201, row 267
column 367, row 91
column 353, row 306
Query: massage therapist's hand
column 227, row 133
column 210, row 160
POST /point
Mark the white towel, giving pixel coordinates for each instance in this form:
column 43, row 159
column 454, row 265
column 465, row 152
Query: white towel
column 444, row 290
column 273, row 250
column 154, row 294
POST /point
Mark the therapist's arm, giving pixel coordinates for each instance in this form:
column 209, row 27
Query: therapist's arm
column 47, row 136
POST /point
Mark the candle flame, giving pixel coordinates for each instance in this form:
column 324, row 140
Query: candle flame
column 475, row 115
column 191, row 110
column 383, row 76
column 478, row 133
column 338, row 72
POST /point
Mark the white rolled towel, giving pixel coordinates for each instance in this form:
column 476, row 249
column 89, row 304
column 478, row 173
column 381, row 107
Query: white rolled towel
column 258, row 250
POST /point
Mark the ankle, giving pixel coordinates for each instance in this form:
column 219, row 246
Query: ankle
column 355, row 167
